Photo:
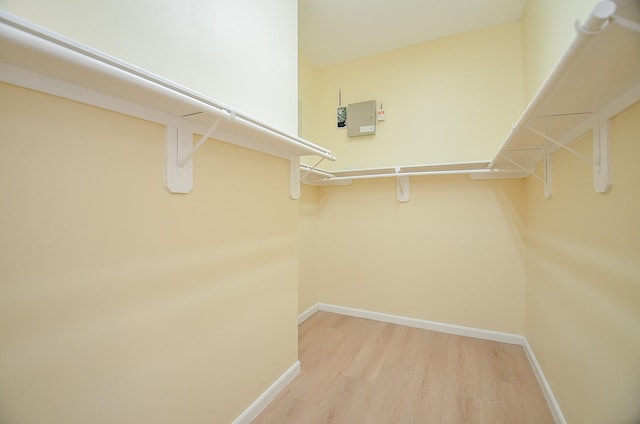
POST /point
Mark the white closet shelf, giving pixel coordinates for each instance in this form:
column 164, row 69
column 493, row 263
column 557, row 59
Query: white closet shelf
column 597, row 78
column 36, row 58
column 322, row 177
column 476, row 170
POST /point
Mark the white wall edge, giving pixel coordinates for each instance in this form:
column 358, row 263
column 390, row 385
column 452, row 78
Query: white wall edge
column 459, row 330
column 546, row 389
column 265, row 399
column 306, row 314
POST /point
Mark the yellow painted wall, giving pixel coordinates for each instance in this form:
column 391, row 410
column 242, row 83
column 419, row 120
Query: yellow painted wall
column 308, row 204
column 449, row 100
column 547, row 30
column 583, row 281
column 454, row 253
column 308, row 107
column 121, row 302
column 309, row 214
column 244, row 54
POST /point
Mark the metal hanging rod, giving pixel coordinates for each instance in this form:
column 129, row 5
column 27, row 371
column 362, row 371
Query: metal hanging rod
column 416, row 174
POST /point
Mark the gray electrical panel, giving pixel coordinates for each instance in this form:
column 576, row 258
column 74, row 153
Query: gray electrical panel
column 361, row 118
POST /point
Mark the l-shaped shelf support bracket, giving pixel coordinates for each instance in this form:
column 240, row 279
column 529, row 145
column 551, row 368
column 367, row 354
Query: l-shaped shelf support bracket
column 179, row 165
column 179, row 139
column 545, row 179
column 600, row 161
column 402, row 187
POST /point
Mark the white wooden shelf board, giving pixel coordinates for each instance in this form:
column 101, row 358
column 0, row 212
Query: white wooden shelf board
column 598, row 77
column 36, row 58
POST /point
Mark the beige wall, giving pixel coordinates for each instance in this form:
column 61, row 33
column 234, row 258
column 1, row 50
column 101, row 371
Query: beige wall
column 454, row 253
column 583, row 275
column 308, row 217
column 244, row 54
column 435, row 96
column 548, row 28
column 121, row 302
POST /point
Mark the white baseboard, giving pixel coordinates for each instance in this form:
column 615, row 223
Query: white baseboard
column 459, row 330
column 306, row 314
column 265, row 399
column 546, row 389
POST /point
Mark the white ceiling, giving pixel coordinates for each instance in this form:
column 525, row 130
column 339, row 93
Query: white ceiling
column 334, row 31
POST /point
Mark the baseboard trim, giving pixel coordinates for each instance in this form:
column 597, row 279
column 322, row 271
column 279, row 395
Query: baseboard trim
column 309, row 312
column 459, row 330
column 265, row 399
column 451, row 329
column 546, row 389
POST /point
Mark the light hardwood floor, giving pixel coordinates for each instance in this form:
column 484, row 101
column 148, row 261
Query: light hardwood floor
column 355, row 370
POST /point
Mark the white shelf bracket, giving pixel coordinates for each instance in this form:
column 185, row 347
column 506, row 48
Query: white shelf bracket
column 529, row 172
column 600, row 161
column 179, row 139
column 179, row 165
column 547, row 176
column 294, row 177
column 561, row 145
column 195, row 148
column 602, row 165
column 402, row 187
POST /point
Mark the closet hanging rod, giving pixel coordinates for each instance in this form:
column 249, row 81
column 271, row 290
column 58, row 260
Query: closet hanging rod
column 417, row 174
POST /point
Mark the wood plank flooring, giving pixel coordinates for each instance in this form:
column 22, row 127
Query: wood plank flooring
column 355, row 370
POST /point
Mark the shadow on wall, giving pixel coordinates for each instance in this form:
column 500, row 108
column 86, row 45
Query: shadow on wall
column 512, row 208
column 587, row 306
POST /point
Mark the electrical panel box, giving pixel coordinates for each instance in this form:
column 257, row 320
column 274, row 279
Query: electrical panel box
column 361, row 118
